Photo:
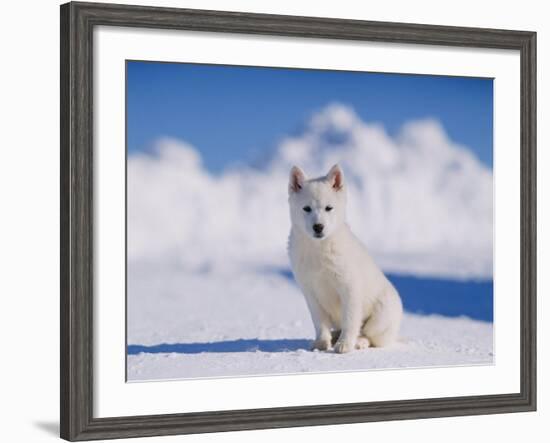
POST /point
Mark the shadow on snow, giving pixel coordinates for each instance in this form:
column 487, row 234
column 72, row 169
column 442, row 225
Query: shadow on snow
column 440, row 296
column 241, row 345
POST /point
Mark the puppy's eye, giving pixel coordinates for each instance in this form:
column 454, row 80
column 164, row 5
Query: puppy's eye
column 307, row 208
column 329, row 208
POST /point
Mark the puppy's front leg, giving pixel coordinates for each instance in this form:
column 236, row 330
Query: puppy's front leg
column 321, row 322
column 351, row 322
column 323, row 338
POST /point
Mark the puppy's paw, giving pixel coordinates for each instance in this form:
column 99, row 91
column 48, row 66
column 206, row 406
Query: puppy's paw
column 362, row 343
column 343, row 346
column 321, row 344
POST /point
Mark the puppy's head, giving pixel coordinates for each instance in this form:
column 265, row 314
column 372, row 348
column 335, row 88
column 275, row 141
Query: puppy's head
column 318, row 205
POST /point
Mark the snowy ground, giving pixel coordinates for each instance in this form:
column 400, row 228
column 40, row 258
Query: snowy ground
column 217, row 323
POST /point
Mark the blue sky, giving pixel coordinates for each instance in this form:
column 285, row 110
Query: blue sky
column 235, row 114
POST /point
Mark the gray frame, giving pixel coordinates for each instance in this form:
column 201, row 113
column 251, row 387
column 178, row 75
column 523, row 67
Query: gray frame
column 77, row 24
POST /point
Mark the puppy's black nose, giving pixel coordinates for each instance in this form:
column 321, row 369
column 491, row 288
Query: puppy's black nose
column 318, row 228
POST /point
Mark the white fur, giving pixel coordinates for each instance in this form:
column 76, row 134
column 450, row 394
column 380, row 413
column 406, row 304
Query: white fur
column 343, row 287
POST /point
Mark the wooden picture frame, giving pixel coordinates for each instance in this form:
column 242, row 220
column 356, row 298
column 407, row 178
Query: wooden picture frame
column 77, row 208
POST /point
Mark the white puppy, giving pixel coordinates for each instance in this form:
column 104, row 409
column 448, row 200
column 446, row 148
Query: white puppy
column 348, row 296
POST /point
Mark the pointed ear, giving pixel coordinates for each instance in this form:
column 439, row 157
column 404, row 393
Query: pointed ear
column 297, row 179
column 336, row 177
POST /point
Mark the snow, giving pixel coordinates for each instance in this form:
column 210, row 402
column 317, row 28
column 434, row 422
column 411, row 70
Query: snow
column 222, row 323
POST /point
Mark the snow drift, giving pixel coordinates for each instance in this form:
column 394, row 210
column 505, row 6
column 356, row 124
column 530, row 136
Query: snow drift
column 421, row 203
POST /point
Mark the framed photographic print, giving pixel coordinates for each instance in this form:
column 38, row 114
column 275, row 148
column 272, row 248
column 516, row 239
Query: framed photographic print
column 255, row 207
